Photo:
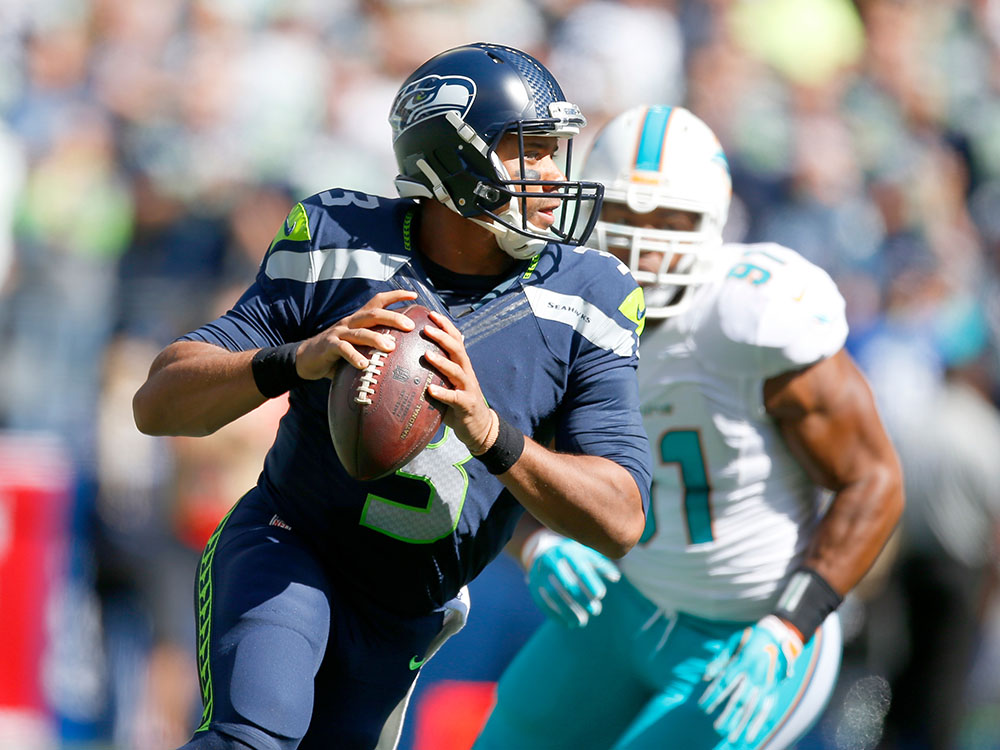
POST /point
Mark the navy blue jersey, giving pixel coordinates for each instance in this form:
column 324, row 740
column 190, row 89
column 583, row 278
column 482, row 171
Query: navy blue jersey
column 554, row 347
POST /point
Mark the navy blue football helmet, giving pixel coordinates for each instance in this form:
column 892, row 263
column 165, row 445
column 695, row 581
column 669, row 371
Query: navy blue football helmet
column 447, row 121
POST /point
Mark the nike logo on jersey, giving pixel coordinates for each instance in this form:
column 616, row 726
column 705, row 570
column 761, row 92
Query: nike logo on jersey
column 416, row 663
column 634, row 308
column 295, row 226
column 818, row 316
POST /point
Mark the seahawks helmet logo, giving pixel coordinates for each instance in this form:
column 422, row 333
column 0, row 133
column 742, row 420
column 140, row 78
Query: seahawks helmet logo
column 429, row 97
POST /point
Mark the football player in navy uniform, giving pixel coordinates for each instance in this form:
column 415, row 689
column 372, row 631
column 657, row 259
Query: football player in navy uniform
column 319, row 597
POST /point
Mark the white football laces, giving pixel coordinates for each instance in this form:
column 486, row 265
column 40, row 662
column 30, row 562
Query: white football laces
column 369, row 376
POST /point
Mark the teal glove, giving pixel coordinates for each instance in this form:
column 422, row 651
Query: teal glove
column 746, row 676
column 566, row 578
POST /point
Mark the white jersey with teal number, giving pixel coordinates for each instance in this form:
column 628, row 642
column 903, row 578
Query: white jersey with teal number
column 732, row 511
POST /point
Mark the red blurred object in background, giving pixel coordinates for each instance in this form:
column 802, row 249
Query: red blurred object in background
column 451, row 713
column 35, row 489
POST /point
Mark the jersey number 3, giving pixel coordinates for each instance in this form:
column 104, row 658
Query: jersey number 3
column 683, row 447
column 439, row 465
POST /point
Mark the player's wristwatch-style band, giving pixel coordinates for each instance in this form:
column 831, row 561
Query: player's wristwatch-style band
column 274, row 370
column 506, row 449
column 806, row 601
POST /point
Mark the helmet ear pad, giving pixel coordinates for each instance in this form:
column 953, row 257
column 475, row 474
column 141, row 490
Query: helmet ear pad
column 460, row 168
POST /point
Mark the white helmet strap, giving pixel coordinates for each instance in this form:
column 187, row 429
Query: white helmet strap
column 513, row 243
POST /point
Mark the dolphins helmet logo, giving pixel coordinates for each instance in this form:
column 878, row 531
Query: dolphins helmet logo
column 431, row 96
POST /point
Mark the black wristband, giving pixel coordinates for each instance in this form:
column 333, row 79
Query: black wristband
column 506, row 449
column 806, row 601
column 274, row 369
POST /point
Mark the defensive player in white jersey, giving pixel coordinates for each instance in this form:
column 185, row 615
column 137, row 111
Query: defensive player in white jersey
column 774, row 487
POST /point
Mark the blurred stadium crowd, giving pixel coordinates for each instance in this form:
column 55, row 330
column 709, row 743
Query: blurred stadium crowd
column 149, row 151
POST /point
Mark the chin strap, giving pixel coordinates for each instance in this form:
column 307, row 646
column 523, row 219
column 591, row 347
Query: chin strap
column 438, row 189
column 513, row 243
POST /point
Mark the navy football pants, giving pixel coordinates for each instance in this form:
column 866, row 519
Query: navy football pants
column 286, row 658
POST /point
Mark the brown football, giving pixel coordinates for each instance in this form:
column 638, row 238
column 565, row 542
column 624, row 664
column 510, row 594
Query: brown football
column 381, row 417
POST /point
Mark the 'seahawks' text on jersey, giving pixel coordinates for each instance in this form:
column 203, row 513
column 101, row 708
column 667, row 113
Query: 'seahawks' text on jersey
column 731, row 510
column 554, row 347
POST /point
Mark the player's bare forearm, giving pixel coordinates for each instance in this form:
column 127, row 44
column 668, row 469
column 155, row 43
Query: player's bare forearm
column 856, row 527
column 193, row 389
column 591, row 499
column 828, row 418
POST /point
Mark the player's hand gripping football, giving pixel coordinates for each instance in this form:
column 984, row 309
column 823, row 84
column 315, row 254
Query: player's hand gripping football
column 468, row 414
column 317, row 357
column 745, row 677
column 566, row 578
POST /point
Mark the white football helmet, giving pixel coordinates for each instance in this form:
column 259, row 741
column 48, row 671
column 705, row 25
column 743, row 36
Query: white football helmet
column 661, row 157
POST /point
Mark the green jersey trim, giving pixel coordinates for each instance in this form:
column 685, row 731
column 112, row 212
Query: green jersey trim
column 205, row 623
